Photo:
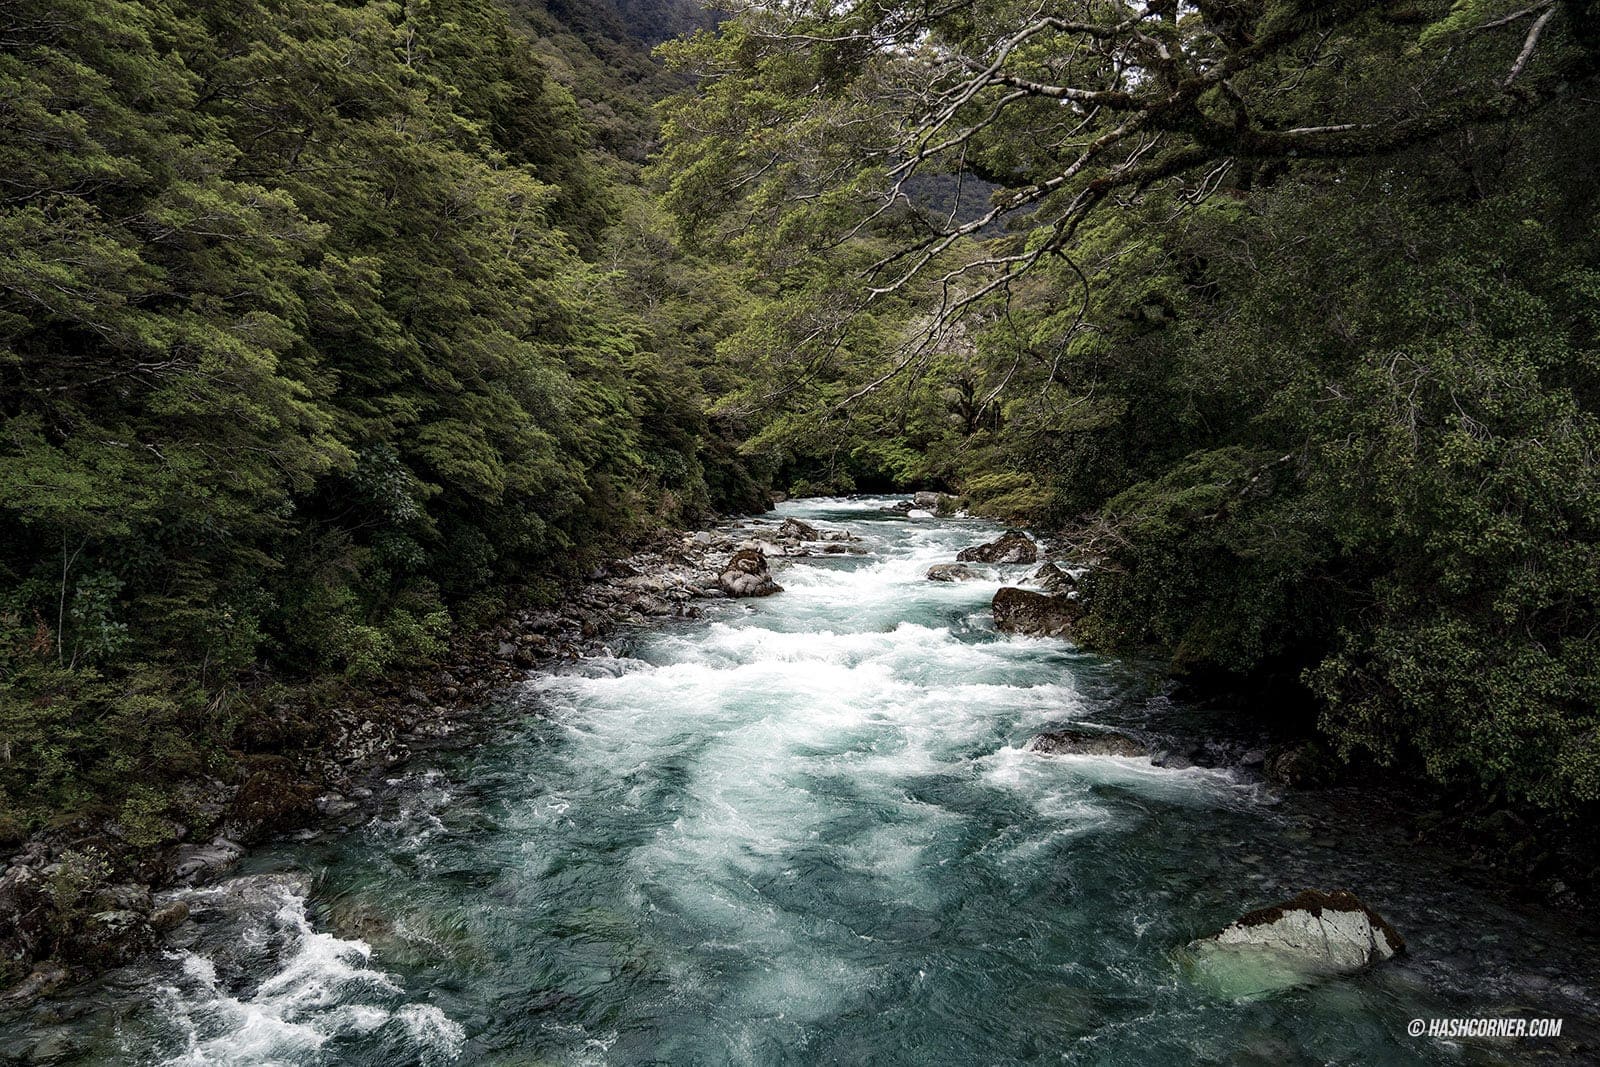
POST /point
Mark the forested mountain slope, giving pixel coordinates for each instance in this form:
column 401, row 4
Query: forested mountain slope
column 317, row 337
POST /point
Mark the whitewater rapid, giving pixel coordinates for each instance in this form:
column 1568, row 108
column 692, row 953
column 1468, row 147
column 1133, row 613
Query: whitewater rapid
column 801, row 829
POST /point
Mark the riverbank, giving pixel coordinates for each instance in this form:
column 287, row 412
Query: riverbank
column 79, row 898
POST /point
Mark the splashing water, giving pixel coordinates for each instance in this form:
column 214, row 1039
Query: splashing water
column 804, row 830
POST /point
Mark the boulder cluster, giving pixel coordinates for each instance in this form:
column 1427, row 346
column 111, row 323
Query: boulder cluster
column 925, row 505
column 1031, row 612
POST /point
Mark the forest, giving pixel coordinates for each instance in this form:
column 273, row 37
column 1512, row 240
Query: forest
column 332, row 330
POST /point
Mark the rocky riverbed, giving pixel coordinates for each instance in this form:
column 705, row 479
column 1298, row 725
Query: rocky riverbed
column 853, row 815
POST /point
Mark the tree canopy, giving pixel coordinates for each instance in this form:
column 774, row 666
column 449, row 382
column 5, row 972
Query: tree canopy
column 1281, row 313
column 309, row 345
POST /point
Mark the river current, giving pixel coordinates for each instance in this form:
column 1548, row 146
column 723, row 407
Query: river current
column 804, row 829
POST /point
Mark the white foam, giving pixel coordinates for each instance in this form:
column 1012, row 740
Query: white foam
column 322, row 988
column 1058, row 780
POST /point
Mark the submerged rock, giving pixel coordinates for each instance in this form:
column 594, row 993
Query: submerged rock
column 45, row 979
column 747, row 575
column 1312, row 936
column 1022, row 611
column 951, row 572
column 1078, row 742
column 1013, row 546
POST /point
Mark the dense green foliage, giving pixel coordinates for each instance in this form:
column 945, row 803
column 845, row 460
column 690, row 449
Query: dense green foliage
column 315, row 336
column 1294, row 330
column 326, row 326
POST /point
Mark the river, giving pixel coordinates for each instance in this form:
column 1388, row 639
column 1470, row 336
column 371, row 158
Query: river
column 804, row 829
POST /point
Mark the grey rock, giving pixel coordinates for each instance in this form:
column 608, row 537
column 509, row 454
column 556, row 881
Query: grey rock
column 45, row 978
column 1052, row 579
column 747, row 575
column 1013, row 546
column 951, row 572
column 1313, row 935
column 334, row 804
column 1074, row 741
column 655, row 606
column 802, row 531
column 543, row 622
column 125, row 897
column 1022, row 611
column 194, row 863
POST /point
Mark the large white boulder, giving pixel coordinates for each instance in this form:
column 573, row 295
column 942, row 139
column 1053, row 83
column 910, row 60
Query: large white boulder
column 1312, row 936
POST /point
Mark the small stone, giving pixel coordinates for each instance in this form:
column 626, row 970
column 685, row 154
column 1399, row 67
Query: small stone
column 170, row 917
column 197, row 862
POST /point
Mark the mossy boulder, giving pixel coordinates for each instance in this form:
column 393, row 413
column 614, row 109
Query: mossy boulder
column 1023, row 611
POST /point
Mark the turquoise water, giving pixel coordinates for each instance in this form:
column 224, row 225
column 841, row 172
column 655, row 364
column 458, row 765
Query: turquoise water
column 804, row 830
